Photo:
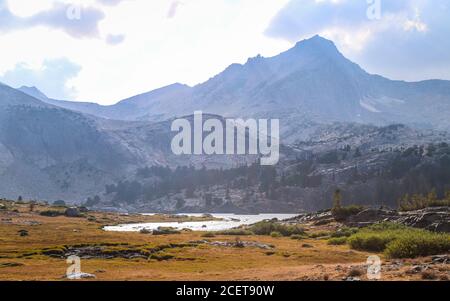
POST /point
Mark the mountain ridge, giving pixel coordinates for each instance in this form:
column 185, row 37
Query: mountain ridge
column 312, row 81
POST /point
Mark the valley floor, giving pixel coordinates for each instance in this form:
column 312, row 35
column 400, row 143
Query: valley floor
column 40, row 253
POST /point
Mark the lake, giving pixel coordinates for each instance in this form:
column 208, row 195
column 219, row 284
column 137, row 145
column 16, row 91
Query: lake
column 229, row 221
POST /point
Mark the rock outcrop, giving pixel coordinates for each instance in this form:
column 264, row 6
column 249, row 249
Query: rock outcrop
column 435, row 219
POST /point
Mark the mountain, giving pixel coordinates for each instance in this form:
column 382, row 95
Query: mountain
column 307, row 86
column 312, row 83
column 47, row 152
column 131, row 109
column 82, row 107
column 341, row 127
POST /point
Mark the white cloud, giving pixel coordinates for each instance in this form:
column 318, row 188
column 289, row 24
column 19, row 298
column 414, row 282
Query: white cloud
column 201, row 39
column 140, row 45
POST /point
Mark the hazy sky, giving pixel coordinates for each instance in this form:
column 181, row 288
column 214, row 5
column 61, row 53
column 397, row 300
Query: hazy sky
column 107, row 50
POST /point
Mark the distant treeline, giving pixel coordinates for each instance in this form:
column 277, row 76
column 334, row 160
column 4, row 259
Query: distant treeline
column 414, row 170
column 155, row 182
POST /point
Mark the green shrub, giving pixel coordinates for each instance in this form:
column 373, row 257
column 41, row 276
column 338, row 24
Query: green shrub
column 337, row 241
column 320, row 234
column 372, row 242
column 343, row 213
column 238, row 232
column 267, row 227
column 420, row 244
column 51, row 213
column 276, row 234
column 344, row 232
column 298, row 236
column 398, row 241
column 209, row 235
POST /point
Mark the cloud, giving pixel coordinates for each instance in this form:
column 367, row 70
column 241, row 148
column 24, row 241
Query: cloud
column 408, row 41
column 173, row 9
column 113, row 39
column 51, row 78
column 77, row 21
column 110, row 2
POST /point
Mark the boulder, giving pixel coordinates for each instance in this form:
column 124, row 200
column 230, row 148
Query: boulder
column 72, row 212
column 23, row 233
column 441, row 259
column 77, row 276
column 442, row 227
column 145, row 231
column 83, row 209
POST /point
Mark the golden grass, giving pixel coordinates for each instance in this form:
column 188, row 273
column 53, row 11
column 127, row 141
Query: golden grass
column 287, row 261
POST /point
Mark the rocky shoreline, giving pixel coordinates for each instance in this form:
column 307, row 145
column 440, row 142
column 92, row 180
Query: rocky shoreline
column 436, row 219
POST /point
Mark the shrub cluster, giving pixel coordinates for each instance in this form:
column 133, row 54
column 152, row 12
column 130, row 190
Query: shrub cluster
column 268, row 227
column 51, row 213
column 343, row 213
column 398, row 241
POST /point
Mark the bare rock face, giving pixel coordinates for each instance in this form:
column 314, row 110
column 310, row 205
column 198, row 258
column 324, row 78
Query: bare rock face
column 433, row 219
column 371, row 216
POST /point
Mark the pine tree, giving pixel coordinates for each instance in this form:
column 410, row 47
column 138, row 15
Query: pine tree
column 337, row 199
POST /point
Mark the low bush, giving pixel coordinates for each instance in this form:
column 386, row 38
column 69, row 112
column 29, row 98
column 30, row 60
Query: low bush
column 337, row 241
column 320, row 234
column 344, row 232
column 422, row 243
column 343, row 213
column 372, row 242
column 276, row 234
column 209, row 235
column 299, row 236
column 398, row 241
column 51, row 213
column 267, row 227
column 238, row 232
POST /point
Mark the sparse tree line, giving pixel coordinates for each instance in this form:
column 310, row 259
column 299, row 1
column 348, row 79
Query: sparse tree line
column 414, row 171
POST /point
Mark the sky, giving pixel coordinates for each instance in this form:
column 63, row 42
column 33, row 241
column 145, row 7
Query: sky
column 107, row 50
